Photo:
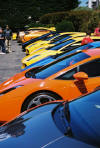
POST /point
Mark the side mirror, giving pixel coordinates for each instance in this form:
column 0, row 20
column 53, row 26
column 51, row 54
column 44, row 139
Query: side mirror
column 80, row 76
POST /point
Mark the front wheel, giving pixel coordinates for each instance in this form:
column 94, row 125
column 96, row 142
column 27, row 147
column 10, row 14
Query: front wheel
column 38, row 99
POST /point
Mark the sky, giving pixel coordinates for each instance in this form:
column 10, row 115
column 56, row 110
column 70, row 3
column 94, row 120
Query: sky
column 83, row 2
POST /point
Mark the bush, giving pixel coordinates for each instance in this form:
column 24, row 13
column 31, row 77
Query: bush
column 83, row 20
column 65, row 26
column 39, row 25
column 53, row 18
column 78, row 17
column 92, row 22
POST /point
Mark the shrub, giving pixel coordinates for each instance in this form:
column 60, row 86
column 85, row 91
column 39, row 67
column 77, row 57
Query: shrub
column 53, row 18
column 92, row 22
column 65, row 26
column 83, row 20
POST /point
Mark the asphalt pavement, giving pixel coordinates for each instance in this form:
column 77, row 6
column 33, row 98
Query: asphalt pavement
column 10, row 63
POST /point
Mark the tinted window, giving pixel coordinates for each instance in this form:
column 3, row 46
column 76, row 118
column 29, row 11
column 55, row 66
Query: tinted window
column 96, row 39
column 91, row 68
column 59, row 38
column 57, row 47
column 60, row 64
column 70, row 47
column 49, row 38
column 85, row 47
column 68, row 75
column 85, row 118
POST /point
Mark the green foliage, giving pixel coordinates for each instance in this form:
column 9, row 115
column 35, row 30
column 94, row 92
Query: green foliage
column 91, row 23
column 78, row 18
column 53, row 18
column 65, row 26
column 16, row 12
column 39, row 25
column 83, row 20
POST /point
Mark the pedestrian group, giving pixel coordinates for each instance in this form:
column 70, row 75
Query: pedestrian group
column 5, row 40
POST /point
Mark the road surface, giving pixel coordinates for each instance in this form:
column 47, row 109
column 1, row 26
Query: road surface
column 10, row 64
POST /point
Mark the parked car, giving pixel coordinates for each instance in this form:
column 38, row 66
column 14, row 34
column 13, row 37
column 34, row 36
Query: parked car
column 68, row 50
column 65, row 78
column 36, row 39
column 42, row 53
column 56, row 125
column 36, row 32
column 52, row 41
column 14, row 36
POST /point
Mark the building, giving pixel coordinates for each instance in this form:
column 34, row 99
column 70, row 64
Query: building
column 93, row 3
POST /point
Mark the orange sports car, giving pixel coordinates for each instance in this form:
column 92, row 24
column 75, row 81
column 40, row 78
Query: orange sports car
column 36, row 32
column 65, row 78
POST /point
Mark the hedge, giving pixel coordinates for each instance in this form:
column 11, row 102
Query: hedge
column 82, row 20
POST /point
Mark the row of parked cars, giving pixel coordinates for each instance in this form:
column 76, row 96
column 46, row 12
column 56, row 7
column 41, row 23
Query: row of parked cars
column 54, row 101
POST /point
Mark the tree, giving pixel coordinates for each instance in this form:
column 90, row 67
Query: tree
column 16, row 12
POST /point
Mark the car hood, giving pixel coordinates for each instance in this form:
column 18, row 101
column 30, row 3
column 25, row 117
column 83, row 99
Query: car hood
column 36, row 129
column 40, row 63
column 16, row 80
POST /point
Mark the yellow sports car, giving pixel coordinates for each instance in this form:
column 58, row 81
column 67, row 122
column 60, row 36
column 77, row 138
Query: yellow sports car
column 34, row 28
column 52, row 41
column 14, row 36
column 26, row 61
column 36, row 32
column 28, row 33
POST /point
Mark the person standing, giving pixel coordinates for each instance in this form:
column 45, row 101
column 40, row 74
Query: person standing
column 8, row 37
column 97, row 30
column 2, row 41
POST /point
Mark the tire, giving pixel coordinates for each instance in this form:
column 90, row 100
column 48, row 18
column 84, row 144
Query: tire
column 38, row 99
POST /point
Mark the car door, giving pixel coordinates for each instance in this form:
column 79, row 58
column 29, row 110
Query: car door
column 66, row 85
column 72, row 88
column 92, row 68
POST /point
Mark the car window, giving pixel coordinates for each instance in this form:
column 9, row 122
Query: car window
column 91, row 68
column 60, row 45
column 96, row 39
column 60, row 64
column 49, row 38
column 82, row 125
column 68, row 75
column 70, row 47
column 59, row 38
column 85, row 47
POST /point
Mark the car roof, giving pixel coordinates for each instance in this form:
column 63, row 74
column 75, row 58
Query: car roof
column 92, row 52
column 95, row 43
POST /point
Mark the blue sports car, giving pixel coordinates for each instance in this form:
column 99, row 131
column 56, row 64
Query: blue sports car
column 68, row 50
column 56, row 125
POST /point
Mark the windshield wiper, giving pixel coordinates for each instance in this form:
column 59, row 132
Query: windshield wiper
column 67, row 115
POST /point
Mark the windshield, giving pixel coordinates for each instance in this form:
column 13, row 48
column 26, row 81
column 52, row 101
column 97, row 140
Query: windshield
column 49, row 38
column 85, row 47
column 78, row 47
column 60, row 45
column 60, row 38
column 60, row 64
column 84, row 118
